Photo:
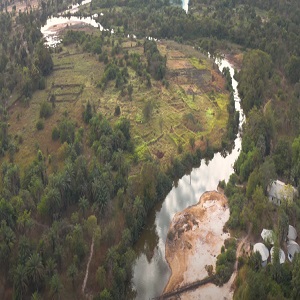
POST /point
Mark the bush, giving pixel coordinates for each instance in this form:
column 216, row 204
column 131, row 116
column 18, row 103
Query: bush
column 67, row 131
column 45, row 110
column 225, row 262
column 192, row 142
column 55, row 134
column 87, row 114
column 222, row 184
column 42, row 83
column 179, row 148
column 40, row 124
column 117, row 110
column 147, row 110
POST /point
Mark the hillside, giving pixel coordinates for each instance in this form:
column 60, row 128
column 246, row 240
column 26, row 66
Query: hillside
column 94, row 133
column 192, row 107
column 90, row 143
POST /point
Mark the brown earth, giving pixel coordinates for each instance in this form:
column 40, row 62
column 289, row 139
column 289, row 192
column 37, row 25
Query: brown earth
column 195, row 239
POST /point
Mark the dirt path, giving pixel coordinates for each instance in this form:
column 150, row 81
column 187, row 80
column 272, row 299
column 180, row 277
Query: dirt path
column 211, row 291
column 239, row 250
column 88, row 267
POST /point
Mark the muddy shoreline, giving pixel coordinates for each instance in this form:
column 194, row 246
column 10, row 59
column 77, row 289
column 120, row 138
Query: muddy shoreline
column 195, row 239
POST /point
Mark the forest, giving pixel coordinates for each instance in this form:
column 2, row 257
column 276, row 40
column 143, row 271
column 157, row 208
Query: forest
column 92, row 184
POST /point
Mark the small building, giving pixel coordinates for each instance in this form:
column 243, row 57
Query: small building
column 263, row 251
column 268, row 236
column 292, row 235
column 281, row 255
column 292, row 249
column 278, row 191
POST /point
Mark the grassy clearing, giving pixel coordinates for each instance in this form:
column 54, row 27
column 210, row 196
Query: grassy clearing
column 200, row 64
column 74, row 81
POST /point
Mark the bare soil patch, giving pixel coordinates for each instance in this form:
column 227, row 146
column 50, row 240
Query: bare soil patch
column 195, row 239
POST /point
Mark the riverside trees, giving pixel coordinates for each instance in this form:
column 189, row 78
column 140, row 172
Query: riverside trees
column 42, row 207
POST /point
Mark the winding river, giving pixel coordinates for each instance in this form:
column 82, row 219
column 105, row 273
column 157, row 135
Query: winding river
column 151, row 271
column 51, row 30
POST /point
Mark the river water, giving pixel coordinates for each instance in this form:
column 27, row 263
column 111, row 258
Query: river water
column 50, row 30
column 185, row 5
column 151, row 271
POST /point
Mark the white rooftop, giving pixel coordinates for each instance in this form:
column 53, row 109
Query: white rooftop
column 281, row 255
column 280, row 190
column 292, row 248
column 268, row 236
column 292, row 235
column 262, row 249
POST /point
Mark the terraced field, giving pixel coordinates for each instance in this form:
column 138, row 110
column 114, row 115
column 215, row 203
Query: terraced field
column 193, row 106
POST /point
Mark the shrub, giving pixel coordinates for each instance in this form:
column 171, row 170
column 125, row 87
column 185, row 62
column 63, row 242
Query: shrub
column 147, row 110
column 179, row 148
column 67, row 131
column 40, row 124
column 222, row 184
column 87, row 114
column 117, row 110
column 55, row 134
column 42, row 83
column 192, row 142
column 45, row 110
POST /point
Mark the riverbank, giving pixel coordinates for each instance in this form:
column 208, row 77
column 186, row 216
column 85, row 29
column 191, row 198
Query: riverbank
column 194, row 241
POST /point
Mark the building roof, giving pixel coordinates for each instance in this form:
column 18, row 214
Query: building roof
column 292, row 248
column 292, row 235
column 280, row 190
column 268, row 236
column 281, row 255
column 262, row 249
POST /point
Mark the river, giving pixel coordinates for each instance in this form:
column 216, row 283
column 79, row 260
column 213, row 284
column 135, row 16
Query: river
column 51, row 29
column 151, row 271
column 185, row 5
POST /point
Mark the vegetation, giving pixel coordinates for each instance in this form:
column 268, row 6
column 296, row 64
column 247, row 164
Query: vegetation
column 88, row 152
column 101, row 127
column 225, row 262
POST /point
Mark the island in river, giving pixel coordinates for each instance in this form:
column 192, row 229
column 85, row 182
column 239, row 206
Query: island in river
column 194, row 241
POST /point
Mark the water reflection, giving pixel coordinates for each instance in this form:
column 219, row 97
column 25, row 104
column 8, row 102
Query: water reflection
column 185, row 5
column 151, row 276
column 51, row 29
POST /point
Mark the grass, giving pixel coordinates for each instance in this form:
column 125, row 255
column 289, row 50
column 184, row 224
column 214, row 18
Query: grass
column 199, row 64
column 163, row 132
column 142, row 151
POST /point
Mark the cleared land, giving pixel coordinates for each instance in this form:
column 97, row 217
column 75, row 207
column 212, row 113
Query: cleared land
column 193, row 106
column 194, row 241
